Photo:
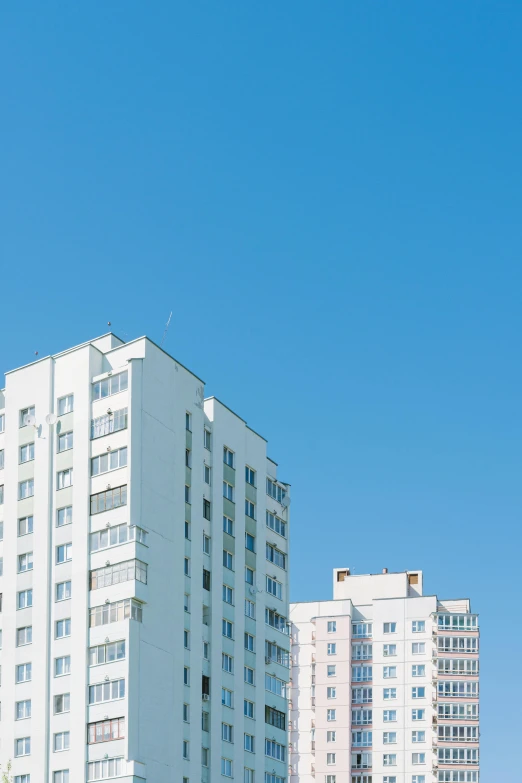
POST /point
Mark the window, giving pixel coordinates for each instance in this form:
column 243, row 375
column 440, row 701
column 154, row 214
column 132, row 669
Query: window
column 117, row 534
column 206, row 579
column 331, row 648
column 228, row 526
column 205, row 759
column 228, row 594
column 65, row 441
column 62, row 666
column 250, row 476
column 276, row 620
column 361, row 760
column 249, row 576
column 23, row 746
column 331, row 736
column 418, row 626
column 419, row 779
column 389, row 737
column 275, row 718
column 275, row 556
column 250, row 609
column 389, row 779
column 228, row 491
column 249, row 642
column 331, row 670
column 27, row 453
column 361, row 717
column 456, row 689
column 186, row 639
column 276, row 524
column 188, row 422
column 362, row 695
column 110, row 460
column 25, row 413
column 106, row 730
column 62, row 703
column 362, row 673
column 186, row 603
column 22, row 779
column 248, row 708
column 63, row 628
column 226, row 697
column 389, row 672
column 250, row 509
column 331, row 715
column 25, row 526
column 228, row 457
column 206, row 438
column 249, row 776
column 361, row 739
column 206, row 509
column 186, row 747
column 389, row 760
column 111, row 498
column 275, row 490
column 187, row 493
column 107, row 691
column 274, row 685
column 63, row 590
column 25, row 562
column 390, row 716
column 274, row 587
column 61, row 741
column 129, row 608
column 418, row 648
column 186, row 713
column 226, row 767
column 2, row 422
column 227, row 663
column 227, row 732
column 418, row 736
column 275, row 653
column 63, row 553
column 126, row 571
column 228, row 560
column 64, row 516
column 457, row 622
column 25, row 489
column 66, row 404
column 418, row 693
column 24, row 635
column 389, row 650
column 389, row 693
column 23, row 672
column 101, row 770
column 1, row 494
column 275, row 750
column 187, row 530
column 64, row 478
column 106, row 653
column 418, row 758
column 390, row 628
column 361, row 629
column 186, row 675
column 362, row 652
column 109, row 422
column 227, row 629
column 23, row 709
column 331, row 626
column 206, row 474
column 418, row 670
column 109, row 386
column 249, row 743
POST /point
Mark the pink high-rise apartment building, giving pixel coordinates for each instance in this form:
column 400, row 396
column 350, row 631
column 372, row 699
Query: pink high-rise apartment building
column 384, row 684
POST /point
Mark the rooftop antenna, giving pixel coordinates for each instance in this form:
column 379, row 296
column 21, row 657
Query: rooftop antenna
column 166, row 330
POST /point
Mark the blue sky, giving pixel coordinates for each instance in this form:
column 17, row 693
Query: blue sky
column 328, row 197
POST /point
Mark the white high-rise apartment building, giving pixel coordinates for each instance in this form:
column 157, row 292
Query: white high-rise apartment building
column 144, row 580
column 384, row 684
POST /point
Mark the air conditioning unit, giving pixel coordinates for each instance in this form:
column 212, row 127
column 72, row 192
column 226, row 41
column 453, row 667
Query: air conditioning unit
column 206, row 697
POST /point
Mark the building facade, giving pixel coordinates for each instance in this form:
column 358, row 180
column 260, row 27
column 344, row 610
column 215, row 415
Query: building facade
column 144, row 580
column 384, row 685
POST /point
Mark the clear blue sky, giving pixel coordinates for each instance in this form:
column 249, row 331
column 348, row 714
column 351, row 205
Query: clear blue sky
column 328, row 196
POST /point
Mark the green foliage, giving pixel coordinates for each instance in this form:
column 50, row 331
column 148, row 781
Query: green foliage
column 6, row 774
